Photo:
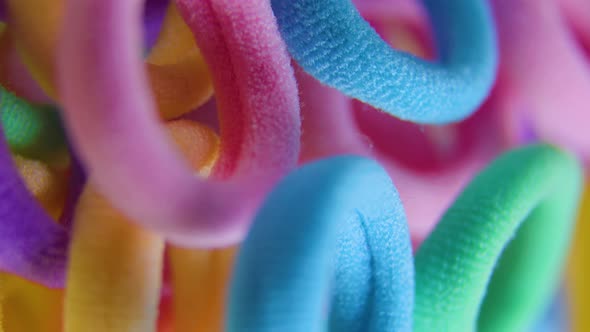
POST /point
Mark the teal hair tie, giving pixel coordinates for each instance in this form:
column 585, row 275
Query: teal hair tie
column 331, row 41
column 494, row 260
column 332, row 234
column 32, row 131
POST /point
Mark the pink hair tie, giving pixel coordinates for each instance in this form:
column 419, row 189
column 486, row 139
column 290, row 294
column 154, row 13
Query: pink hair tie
column 111, row 115
column 544, row 75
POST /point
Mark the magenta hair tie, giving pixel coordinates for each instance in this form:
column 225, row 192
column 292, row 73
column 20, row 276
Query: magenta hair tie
column 111, row 115
column 578, row 13
column 544, row 75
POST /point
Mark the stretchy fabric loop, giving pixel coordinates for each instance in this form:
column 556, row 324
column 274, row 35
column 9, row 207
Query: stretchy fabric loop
column 14, row 75
column 178, row 86
column 179, row 76
column 544, row 74
column 114, row 272
column 331, row 41
column 106, row 100
column 33, row 131
column 36, row 24
column 331, row 234
column 578, row 287
column 26, row 306
column 199, row 280
column 154, row 12
column 115, row 267
column 47, row 185
column 32, row 245
column 506, row 235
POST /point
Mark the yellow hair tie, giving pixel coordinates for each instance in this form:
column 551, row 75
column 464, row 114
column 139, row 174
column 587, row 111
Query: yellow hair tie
column 200, row 280
column 114, row 275
column 177, row 72
column 579, row 270
column 26, row 306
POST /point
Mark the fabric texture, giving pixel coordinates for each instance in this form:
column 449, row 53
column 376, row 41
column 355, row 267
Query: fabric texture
column 114, row 271
column 333, row 235
column 33, row 131
column 32, row 245
column 331, row 41
column 103, row 92
column 545, row 72
column 579, row 268
column 114, row 275
column 494, row 259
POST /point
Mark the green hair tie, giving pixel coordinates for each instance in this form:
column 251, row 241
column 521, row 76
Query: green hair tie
column 495, row 258
column 32, row 131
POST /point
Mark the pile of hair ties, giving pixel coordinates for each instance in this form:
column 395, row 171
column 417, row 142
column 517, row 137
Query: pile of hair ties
column 294, row 165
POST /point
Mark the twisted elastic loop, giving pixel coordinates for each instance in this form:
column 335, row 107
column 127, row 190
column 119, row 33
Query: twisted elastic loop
column 504, row 239
column 106, row 100
column 333, row 233
column 331, row 41
column 32, row 245
column 33, row 131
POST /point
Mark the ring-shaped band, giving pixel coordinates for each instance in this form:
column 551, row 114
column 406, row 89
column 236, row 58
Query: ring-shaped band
column 544, row 73
column 32, row 245
column 332, row 233
column 494, row 260
column 106, row 100
column 33, row 131
column 579, row 269
column 331, row 41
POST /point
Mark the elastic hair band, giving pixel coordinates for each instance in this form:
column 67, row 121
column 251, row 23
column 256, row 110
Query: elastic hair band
column 331, row 41
column 331, row 238
column 32, row 245
column 577, row 284
column 494, row 260
column 114, row 272
column 544, row 73
column 106, row 100
column 33, row 131
column 178, row 86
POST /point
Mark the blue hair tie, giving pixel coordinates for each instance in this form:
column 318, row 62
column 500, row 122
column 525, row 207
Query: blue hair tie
column 332, row 234
column 331, row 41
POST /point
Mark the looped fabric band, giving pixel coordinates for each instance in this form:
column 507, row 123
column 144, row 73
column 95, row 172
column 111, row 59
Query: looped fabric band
column 579, row 269
column 483, row 245
column 36, row 25
column 493, row 261
column 32, row 131
column 545, row 72
column 32, row 245
column 106, row 99
column 331, row 41
column 332, row 234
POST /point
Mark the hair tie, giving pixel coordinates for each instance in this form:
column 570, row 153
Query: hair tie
column 544, row 74
column 106, row 100
column 115, row 268
column 500, row 237
column 579, row 268
column 32, row 245
column 331, row 41
column 14, row 75
column 178, row 75
column 333, row 124
column 331, row 234
column 154, row 13
column 28, row 306
column 33, row 131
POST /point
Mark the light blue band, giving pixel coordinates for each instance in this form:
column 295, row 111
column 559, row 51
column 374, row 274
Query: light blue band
column 334, row 235
column 331, row 41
